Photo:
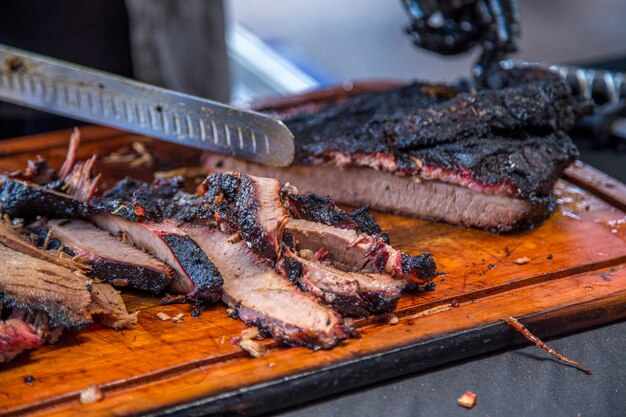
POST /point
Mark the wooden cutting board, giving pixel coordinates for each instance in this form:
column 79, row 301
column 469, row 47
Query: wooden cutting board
column 575, row 278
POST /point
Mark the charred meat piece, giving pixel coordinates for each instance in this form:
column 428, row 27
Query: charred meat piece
column 37, row 171
column 262, row 298
column 405, row 195
column 10, row 237
column 251, row 206
column 322, row 209
column 436, row 152
column 31, row 283
column 544, row 103
column 65, row 296
column 17, row 336
column 350, row 293
column 140, row 220
column 111, row 260
column 352, row 252
column 196, row 276
column 24, row 330
column 28, row 200
column 167, row 195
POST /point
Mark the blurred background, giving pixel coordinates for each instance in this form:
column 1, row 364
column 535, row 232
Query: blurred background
column 339, row 40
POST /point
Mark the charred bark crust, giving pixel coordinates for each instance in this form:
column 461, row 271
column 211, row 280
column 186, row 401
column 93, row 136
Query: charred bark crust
column 203, row 272
column 27, row 200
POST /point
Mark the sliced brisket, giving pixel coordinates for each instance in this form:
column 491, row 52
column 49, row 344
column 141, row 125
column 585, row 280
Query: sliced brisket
column 352, row 252
column 261, row 297
column 251, row 206
column 25, row 199
column 111, row 261
column 31, row 283
column 350, row 293
column 405, row 195
column 322, row 209
column 11, row 237
column 196, row 276
column 17, row 336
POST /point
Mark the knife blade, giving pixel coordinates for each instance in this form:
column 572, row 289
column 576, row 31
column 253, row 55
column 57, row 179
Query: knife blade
column 67, row 89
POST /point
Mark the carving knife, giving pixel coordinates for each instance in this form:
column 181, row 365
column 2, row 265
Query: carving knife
column 59, row 87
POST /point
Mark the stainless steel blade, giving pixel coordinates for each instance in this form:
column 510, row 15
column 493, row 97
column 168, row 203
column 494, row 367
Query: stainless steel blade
column 93, row 96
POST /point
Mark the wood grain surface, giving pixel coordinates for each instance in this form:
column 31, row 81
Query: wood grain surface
column 574, row 279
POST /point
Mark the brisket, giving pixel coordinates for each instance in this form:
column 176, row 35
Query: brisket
column 24, row 199
column 322, row 209
column 251, row 206
column 107, row 303
column 350, row 293
column 196, row 276
column 31, row 283
column 24, row 330
column 110, row 260
column 405, row 195
column 67, row 297
column 11, row 237
column 436, row 152
column 17, row 336
column 436, row 115
column 352, row 252
column 260, row 297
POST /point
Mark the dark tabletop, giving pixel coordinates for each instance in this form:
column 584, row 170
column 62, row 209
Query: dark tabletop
column 522, row 382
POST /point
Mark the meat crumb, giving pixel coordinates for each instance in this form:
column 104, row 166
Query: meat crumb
column 549, row 257
column 522, row 261
column 255, row 349
column 250, row 333
column 91, row 394
column 178, row 318
column 393, row 319
column 455, row 303
column 163, row 316
column 467, row 400
column 29, row 380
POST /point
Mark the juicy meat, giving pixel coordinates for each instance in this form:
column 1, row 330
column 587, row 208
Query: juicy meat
column 31, row 283
column 69, row 298
column 323, row 209
column 262, row 298
column 350, row 293
column 505, row 141
column 250, row 205
column 25, row 330
column 111, row 260
column 433, row 200
column 352, row 252
column 17, row 336
column 196, row 276
column 10, row 237
column 28, row 200
column 226, row 196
